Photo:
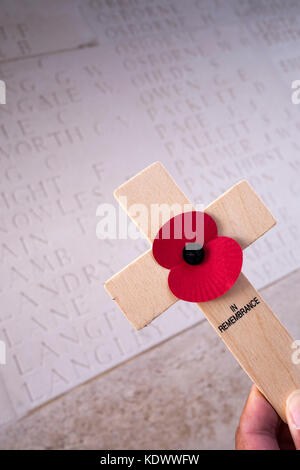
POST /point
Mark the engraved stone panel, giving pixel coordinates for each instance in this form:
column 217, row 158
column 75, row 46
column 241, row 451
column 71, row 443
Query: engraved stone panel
column 29, row 28
column 75, row 126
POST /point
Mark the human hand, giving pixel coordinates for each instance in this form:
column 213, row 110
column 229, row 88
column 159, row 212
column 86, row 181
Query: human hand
column 260, row 427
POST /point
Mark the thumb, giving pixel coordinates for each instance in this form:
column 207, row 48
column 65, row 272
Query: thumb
column 293, row 416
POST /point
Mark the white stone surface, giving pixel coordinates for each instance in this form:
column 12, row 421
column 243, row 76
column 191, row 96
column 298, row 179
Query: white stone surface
column 115, row 22
column 29, row 27
column 275, row 26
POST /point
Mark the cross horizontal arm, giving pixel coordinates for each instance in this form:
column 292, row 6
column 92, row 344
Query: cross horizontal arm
column 241, row 214
column 140, row 290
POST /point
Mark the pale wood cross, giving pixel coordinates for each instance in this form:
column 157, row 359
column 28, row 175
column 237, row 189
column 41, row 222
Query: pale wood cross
column 258, row 340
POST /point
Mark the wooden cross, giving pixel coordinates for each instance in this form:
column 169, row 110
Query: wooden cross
column 258, row 340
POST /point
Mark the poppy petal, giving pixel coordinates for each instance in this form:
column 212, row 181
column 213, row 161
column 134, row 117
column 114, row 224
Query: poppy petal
column 216, row 274
column 184, row 228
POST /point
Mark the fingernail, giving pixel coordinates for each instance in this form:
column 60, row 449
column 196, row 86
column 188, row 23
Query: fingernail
column 293, row 406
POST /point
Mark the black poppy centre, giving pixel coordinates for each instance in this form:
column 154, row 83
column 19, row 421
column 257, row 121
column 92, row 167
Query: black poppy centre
column 193, row 253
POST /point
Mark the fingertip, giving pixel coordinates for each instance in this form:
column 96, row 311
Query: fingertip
column 293, row 416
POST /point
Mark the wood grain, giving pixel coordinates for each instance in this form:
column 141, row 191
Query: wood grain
column 241, row 214
column 151, row 186
column 141, row 290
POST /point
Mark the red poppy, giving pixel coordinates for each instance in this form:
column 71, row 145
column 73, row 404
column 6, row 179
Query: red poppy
column 203, row 266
